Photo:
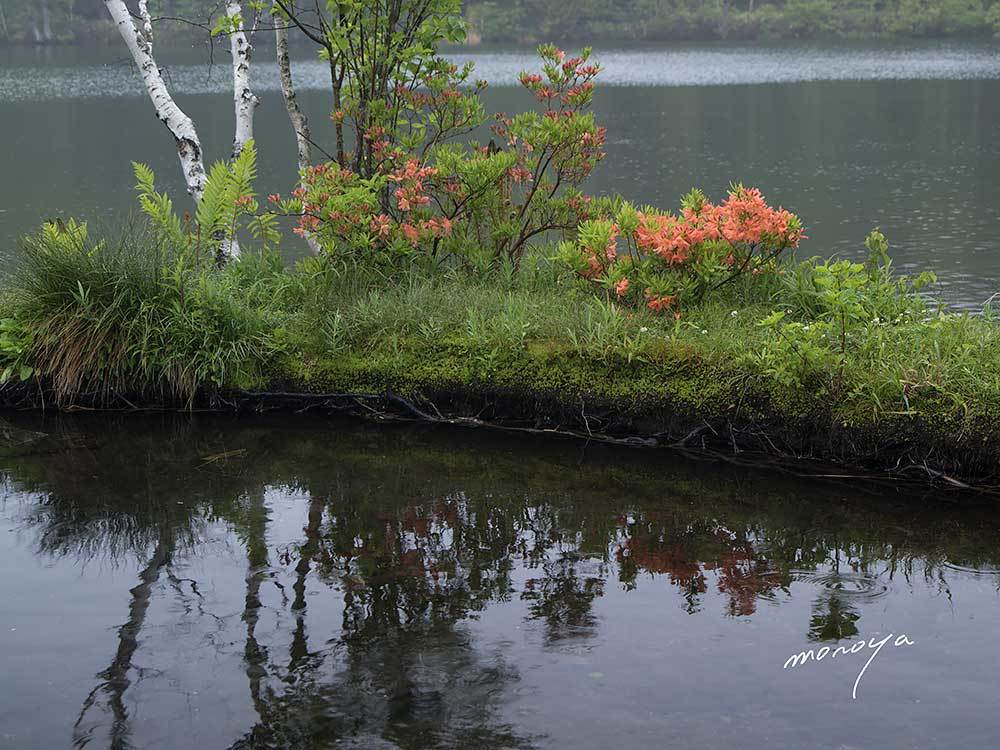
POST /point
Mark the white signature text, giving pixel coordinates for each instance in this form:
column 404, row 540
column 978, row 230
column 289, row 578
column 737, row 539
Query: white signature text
column 873, row 645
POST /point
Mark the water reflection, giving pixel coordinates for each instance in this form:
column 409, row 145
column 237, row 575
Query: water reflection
column 339, row 585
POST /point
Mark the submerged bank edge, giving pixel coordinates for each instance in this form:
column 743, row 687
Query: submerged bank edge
column 730, row 415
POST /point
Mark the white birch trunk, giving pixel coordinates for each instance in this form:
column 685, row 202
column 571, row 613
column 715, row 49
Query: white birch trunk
column 244, row 101
column 147, row 22
column 46, row 22
column 178, row 123
column 300, row 125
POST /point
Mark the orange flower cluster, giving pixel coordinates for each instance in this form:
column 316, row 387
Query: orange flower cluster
column 569, row 81
column 411, row 178
column 743, row 218
column 661, row 302
column 436, row 226
column 746, row 217
column 664, row 261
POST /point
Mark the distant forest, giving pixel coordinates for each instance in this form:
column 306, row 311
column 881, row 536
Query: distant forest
column 506, row 21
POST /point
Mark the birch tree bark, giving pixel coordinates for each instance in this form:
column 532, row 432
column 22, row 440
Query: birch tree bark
column 299, row 122
column 244, row 100
column 3, row 24
column 300, row 125
column 46, row 22
column 181, row 127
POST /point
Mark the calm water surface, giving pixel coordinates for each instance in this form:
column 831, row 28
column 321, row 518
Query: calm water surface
column 195, row 582
column 851, row 137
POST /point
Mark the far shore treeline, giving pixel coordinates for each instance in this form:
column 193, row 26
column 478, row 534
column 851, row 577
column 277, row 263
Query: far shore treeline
column 532, row 21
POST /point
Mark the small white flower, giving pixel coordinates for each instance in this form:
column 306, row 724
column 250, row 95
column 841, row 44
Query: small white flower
column 704, row 331
column 734, row 313
column 643, row 329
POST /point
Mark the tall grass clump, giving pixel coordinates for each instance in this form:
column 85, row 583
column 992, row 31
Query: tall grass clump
column 131, row 314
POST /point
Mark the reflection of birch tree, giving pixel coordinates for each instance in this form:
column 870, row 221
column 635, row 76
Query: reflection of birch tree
column 307, row 552
column 115, row 680
column 252, row 527
column 399, row 663
column 402, row 659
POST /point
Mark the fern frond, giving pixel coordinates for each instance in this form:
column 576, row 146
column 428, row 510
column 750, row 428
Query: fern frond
column 145, row 178
column 243, row 171
column 219, row 210
column 157, row 206
column 211, row 213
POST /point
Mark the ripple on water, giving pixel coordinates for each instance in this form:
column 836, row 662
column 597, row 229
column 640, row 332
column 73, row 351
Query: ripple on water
column 970, row 570
column 848, row 586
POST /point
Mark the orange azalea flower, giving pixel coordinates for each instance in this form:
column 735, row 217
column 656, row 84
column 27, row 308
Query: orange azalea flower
column 661, row 302
column 411, row 233
column 381, row 225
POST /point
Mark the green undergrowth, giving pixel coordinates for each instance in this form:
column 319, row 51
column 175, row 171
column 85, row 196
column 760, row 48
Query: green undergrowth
column 98, row 319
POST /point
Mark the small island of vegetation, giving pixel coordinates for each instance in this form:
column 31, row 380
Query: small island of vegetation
column 458, row 281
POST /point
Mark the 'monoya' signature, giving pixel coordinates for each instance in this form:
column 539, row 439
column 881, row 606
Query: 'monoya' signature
column 821, row 653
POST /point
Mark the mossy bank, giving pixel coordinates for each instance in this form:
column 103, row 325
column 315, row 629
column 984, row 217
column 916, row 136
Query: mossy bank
column 871, row 375
column 691, row 405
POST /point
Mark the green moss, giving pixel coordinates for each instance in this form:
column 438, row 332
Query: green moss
column 911, row 385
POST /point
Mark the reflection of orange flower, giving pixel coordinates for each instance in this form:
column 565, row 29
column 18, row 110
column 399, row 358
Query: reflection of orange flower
column 743, row 578
column 672, row 561
column 742, row 574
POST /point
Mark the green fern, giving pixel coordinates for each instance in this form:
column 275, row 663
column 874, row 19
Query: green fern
column 211, row 213
column 157, row 206
column 264, row 227
column 218, row 214
column 243, row 171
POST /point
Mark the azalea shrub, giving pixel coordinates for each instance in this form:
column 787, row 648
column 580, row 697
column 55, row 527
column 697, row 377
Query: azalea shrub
column 433, row 196
column 664, row 261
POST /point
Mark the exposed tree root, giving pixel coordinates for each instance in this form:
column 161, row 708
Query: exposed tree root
column 798, row 449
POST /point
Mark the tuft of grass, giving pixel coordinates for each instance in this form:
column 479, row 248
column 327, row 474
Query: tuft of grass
column 132, row 315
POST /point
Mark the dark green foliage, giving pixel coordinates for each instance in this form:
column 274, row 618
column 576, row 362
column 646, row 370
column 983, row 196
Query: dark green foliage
column 584, row 20
column 132, row 315
column 55, row 21
column 542, row 20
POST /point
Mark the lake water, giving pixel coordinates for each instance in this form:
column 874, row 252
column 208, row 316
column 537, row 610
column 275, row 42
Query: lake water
column 850, row 137
column 179, row 582
column 195, row 582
